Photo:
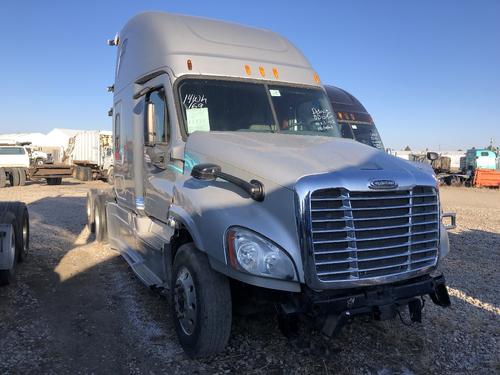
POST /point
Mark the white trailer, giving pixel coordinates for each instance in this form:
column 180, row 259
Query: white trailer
column 90, row 154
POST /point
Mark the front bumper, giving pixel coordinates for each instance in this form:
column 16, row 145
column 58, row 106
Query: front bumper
column 380, row 302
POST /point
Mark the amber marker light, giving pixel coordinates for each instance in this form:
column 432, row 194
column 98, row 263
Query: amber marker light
column 262, row 71
column 248, row 71
column 275, row 73
column 190, row 64
column 316, row 78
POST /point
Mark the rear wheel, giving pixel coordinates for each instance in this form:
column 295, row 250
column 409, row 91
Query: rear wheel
column 14, row 177
column 3, row 178
column 200, row 303
column 101, row 228
column 88, row 174
column 22, row 177
column 90, row 213
column 54, row 180
column 20, row 212
column 455, row 181
column 7, row 217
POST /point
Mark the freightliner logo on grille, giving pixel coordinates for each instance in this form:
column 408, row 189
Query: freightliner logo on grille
column 382, row 184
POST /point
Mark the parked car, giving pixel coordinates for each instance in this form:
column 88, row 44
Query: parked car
column 233, row 184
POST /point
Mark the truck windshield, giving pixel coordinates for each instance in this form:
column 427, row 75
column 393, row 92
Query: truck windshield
column 367, row 134
column 216, row 105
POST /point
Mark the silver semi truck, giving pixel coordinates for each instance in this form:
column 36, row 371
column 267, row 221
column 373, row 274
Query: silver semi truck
column 233, row 185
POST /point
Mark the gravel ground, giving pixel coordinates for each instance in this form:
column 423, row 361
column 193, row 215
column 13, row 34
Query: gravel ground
column 75, row 307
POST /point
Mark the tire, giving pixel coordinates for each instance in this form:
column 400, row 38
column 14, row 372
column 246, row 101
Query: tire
column 14, row 177
column 88, row 174
column 90, row 214
column 456, row 181
column 196, row 286
column 3, row 178
column 39, row 162
column 111, row 176
column 79, row 173
column 7, row 217
column 21, row 215
column 22, row 177
column 101, row 227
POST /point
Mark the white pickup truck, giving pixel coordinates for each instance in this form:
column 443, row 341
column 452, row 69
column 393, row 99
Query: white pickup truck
column 16, row 168
column 14, row 163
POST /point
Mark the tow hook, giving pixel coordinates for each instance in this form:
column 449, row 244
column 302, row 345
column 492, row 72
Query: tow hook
column 453, row 220
column 440, row 295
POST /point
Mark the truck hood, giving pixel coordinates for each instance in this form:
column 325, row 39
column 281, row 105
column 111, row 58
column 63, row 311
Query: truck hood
column 284, row 158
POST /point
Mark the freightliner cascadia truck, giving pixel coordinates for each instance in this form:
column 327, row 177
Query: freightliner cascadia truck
column 233, row 185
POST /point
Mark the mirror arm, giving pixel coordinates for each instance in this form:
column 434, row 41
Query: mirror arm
column 254, row 188
column 210, row 172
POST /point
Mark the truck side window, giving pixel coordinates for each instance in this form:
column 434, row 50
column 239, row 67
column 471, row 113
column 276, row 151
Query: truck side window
column 160, row 118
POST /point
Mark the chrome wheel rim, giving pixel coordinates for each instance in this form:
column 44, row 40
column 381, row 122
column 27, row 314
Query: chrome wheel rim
column 88, row 210
column 13, row 246
column 25, row 235
column 185, row 301
column 97, row 221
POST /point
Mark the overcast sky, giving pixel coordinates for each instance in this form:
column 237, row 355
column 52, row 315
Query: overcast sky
column 428, row 71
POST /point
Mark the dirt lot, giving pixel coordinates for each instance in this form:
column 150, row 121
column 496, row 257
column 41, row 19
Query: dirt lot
column 76, row 307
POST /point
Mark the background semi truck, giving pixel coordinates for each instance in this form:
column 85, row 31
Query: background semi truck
column 90, row 154
column 354, row 120
column 478, row 167
column 233, row 185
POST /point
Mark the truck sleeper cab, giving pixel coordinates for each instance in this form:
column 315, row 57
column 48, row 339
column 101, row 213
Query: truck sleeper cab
column 231, row 179
column 354, row 120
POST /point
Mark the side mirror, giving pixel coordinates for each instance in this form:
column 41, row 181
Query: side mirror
column 432, row 156
column 206, row 172
column 149, row 126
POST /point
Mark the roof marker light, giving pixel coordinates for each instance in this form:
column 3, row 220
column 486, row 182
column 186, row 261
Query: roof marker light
column 316, row 78
column 248, row 70
column 189, row 64
column 275, row 72
column 262, row 71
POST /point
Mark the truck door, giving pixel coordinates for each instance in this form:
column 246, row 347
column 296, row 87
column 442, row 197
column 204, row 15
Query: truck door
column 118, row 152
column 157, row 184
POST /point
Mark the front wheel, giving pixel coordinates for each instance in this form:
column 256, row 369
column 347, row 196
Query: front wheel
column 200, row 303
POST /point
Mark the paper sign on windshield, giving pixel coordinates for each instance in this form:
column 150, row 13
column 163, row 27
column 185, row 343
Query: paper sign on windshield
column 197, row 120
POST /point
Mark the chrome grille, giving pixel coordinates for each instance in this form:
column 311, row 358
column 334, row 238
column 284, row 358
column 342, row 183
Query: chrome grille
column 364, row 235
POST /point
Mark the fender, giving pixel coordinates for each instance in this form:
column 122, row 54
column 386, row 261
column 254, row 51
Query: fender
column 179, row 214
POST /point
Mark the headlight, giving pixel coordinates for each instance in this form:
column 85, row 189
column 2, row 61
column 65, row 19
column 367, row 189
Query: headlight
column 250, row 252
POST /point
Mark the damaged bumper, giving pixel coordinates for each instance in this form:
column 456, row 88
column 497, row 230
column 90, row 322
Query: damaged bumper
column 380, row 302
